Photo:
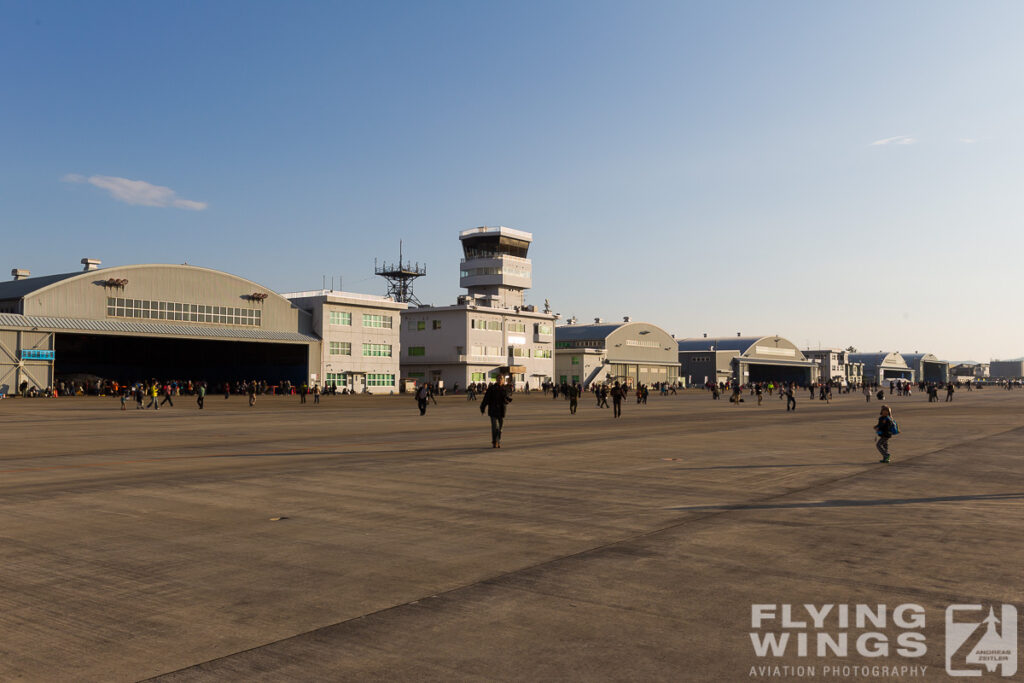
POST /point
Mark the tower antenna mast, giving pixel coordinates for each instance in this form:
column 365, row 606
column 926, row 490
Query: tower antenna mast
column 400, row 277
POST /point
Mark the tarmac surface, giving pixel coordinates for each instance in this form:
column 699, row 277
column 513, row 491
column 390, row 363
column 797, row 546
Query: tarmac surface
column 356, row 540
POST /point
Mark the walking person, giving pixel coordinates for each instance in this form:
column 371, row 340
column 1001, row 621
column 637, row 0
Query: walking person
column 885, row 429
column 790, row 399
column 495, row 402
column 617, row 395
column 153, row 392
column 760, row 393
column 201, row 396
column 574, row 398
column 252, row 394
column 167, row 396
column 316, row 394
column 422, row 396
column 949, row 392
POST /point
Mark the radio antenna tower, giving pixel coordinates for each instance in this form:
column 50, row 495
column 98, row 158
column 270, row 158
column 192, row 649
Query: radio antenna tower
column 400, row 277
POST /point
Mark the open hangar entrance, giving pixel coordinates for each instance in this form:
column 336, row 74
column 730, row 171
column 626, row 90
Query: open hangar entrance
column 888, row 374
column 752, row 371
column 128, row 359
column 927, row 367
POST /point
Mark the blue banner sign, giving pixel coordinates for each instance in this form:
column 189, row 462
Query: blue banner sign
column 36, row 354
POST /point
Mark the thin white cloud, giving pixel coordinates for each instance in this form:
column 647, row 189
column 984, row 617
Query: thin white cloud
column 896, row 140
column 968, row 141
column 137, row 192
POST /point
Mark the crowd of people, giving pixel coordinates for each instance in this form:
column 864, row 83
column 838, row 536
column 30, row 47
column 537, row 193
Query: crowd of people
column 497, row 395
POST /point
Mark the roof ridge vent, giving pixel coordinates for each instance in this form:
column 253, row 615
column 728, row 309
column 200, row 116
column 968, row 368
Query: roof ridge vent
column 91, row 264
column 20, row 273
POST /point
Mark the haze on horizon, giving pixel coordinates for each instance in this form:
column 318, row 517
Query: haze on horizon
column 836, row 173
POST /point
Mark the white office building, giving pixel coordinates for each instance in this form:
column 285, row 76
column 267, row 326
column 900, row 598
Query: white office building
column 360, row 333
column 489, row 327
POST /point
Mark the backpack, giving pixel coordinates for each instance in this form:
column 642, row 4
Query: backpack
column 895, row 428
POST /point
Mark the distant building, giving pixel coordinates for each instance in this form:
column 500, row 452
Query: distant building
column 882, row 366
column 963, row 372
column 835, row 364
column 489, row 327
column 927, row 367
column 745, row 359
column 360, row 345
column 1007, row 369
column 629, row 352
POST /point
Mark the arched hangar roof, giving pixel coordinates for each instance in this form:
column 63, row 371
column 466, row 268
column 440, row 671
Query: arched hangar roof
column 746, row 346
column 873, row 359
column 36, row 285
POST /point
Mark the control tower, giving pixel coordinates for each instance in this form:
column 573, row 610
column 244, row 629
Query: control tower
column 495, row 270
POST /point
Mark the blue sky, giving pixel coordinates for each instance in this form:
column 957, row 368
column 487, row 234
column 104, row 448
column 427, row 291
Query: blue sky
column 705, row 166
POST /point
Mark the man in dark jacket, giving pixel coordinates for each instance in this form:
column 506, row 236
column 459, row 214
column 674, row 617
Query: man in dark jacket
column 495, row 402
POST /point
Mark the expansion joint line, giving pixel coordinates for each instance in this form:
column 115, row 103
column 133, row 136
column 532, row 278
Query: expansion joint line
column 692, row 519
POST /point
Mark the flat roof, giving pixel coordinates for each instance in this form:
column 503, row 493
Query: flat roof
column 484, row 231
column 337, row 296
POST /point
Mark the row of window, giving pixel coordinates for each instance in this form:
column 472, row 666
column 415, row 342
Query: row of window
column 484, row 324
column 344, row 318
column 340, row 379
column 171, row 310
column 377, row 350
column 480, row 350
column 480, row 324
column 340, row 348
column 420, row 325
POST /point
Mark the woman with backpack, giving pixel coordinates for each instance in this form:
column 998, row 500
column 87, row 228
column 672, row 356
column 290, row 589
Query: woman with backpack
column 885, row 429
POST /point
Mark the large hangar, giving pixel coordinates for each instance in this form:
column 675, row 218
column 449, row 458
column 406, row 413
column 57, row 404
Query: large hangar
column 927, row 367
column 746, row 359
column 629, row 352
column 131, row 323
column 882, row 366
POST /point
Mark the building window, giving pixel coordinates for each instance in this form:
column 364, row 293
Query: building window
column 519, row 352
column 340, row 348
column 576, row 379
column 542, row 328
column 337, row 379
column 377, row 350
column 340, row 318
column 417, row 351
column 517, row 327
column 562, row 379
column 374, row 320
column 436, row 324
column 483, row 324
column 460, row 350
column 170, row 310
column 478, row 377
column 575, row 360
column 542, row 353
column 415, row 375
column 380, row 380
